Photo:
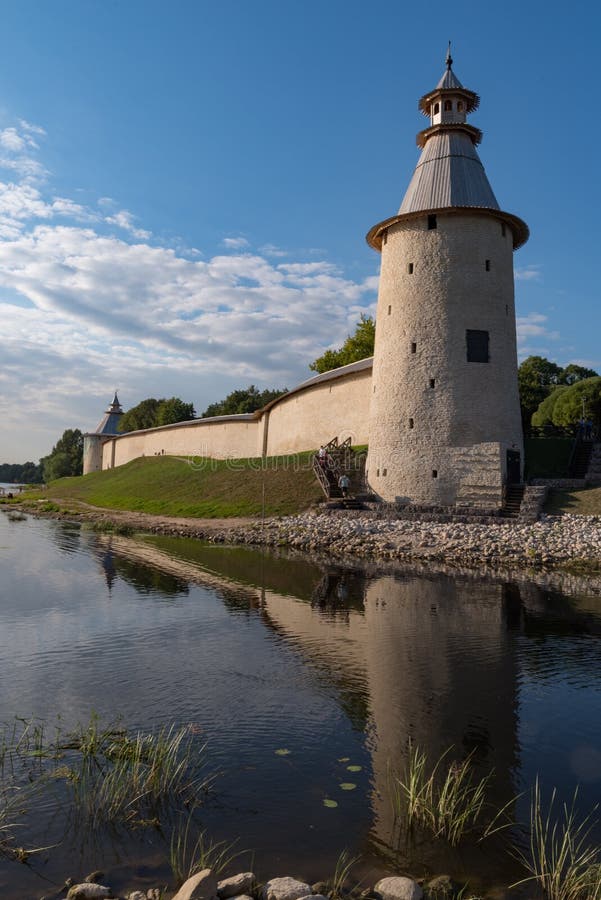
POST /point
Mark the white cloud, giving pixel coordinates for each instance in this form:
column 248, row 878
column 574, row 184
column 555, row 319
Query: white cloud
column 235, row 243
column 272, row 250
column 85, row 309
column 534, row 325
column 528, row 273
column 125, row 220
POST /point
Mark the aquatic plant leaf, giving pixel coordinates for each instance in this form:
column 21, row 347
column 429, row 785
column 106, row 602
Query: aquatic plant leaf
column 348, row 786
column 331, row 804
column 344, row 759
column 354, row 768
column 282, row 751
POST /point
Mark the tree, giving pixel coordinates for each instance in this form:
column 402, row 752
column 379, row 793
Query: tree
column 151, row 413
column 243, row 400
column 21, row 473
column 357, row 346
column 573, row 373
column 174, row 410
column 544, row 414
column 569, row 407
column 141, row 416
column 537, row 377
column 66, row 457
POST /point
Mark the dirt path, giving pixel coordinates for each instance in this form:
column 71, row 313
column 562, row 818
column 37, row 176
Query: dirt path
column 141, row 521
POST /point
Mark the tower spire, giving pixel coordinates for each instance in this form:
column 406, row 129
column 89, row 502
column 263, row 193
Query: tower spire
column 449, row 58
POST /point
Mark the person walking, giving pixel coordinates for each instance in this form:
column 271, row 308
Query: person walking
column 344, row 483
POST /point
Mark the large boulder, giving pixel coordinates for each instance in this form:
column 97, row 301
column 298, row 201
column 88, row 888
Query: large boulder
column 398, row 888
column 285, row 889
column 202, row 886
column 236, row 885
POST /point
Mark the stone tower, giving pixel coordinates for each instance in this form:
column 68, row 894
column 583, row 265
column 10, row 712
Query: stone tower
column 445, row 426
column 93, row 441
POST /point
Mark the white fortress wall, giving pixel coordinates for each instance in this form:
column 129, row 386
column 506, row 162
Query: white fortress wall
column 335, row 404
column 224, row 437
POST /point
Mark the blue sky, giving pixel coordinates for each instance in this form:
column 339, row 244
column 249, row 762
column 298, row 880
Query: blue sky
column 185, row 187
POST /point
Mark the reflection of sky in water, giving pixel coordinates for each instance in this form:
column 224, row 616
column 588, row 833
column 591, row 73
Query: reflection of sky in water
column 325, row 663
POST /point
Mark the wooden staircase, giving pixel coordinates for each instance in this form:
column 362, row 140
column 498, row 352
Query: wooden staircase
column 340, row 458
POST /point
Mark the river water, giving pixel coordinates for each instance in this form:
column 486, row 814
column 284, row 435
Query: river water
column 290, row 670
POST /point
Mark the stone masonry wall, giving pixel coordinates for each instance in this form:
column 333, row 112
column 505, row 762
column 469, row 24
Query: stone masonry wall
column 440, row 426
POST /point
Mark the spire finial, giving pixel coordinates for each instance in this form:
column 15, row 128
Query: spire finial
column 449, row 59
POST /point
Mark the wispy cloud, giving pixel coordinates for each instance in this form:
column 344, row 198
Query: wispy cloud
column 528, row 273
column 88, row 302
column 125, row 220
column 235, row 243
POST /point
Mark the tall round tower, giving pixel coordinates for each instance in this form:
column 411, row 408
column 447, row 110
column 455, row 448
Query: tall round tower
column 445, row 425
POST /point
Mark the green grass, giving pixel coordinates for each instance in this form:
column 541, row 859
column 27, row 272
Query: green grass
column 199, row 488
column 187, row 857
column 584, row 502
column 443, row 797
column 562, row 858
column 547, row 457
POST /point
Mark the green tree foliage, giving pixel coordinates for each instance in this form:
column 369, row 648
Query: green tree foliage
column 21, row 473
column 174, row 410
column 573, row 373
column 66, row 457
column 544, row 414
column 569, row 406
column 245, row 400
column 141, row 416
column 357, row 346
column 151, row 413
column 538, row 377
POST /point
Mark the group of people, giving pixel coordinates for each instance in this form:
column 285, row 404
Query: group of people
column 344, row 481
column 585, row 429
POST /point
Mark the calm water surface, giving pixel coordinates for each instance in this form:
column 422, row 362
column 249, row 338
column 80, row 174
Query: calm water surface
column 254, row 653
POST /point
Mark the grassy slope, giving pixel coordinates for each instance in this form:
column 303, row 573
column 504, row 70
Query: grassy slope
column 585, row 502
column 172, row 487
column 220, row 488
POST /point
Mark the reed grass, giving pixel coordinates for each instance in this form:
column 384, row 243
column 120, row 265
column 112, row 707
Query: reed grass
column 188, row 855
column 138, row 776
column 111, row 777
column 443, row 797
column 344, row 866
column 561, row 858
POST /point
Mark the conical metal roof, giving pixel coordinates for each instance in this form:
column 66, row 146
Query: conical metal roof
column 109, row 422
column 449, row 81
column 449, row 173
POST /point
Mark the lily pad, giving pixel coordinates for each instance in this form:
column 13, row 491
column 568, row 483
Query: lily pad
column 348, row 786
column 283, row 751
column 354, row 768
column 344, row 759
column 331, row 804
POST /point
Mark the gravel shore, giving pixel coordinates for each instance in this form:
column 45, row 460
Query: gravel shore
column 566, row 541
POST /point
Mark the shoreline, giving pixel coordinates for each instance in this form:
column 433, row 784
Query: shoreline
column 566, row 544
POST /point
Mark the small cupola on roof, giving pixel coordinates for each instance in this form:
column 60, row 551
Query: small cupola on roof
column 449, row 102
column 449, row 174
